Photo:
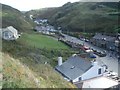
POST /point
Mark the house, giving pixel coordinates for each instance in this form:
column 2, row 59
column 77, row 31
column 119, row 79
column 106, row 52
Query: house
column 31, row 17
column 104, row 41
column 97, row 82
column 46, row 29
column 40, row 21
column 76, row 69
column 10, row 33
column 36, row 22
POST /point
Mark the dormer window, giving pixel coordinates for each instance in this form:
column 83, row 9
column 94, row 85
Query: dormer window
column 72, row 67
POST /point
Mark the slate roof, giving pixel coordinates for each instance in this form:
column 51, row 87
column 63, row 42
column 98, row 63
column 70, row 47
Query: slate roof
column 107, row 38
column 74, row 67
column 10, row 28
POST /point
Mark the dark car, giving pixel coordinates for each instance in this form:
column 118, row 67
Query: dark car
column 86, row 40
column 100, row 54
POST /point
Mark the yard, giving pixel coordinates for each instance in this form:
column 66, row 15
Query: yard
column 42, row 41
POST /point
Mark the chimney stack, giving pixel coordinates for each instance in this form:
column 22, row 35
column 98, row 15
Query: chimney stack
column 59, row 61
column 74, row 55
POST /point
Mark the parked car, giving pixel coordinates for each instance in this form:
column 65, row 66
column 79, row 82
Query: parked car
column 99, row 53
column 86, row 47
column 82, row 39
column 92, row 56
column 86, row 40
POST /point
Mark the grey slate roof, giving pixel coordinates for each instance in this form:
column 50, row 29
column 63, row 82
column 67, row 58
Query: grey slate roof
column 100, row 36
column 10, row 28
column 74, row 67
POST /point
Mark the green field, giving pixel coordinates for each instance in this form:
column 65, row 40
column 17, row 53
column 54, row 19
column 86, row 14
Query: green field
column 42, row 41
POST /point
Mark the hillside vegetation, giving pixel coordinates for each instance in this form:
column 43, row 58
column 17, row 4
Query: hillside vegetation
column 29, row 61
column 84, row 16
column 18, row 75
column 42, row 13
column 26, row 65
column 13, row 17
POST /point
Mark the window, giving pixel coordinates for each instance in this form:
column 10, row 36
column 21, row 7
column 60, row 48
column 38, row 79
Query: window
column 99, row 71
column 6, row 34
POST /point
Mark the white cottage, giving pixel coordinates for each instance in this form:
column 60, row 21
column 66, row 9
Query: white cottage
column 76, row 69
column 10, row 33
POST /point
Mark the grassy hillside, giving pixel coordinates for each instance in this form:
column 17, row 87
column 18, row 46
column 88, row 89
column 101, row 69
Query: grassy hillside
column 36, row 46
column 42, row 41
column 29, row 61
column 13, row 17
column 24, row 64
column 86, row 17
column 18, row 75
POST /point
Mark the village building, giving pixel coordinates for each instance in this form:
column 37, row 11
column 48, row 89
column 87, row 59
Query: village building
column 117, row 44
column 40, row 21
column 46, row 29
column 77, row 69
column 104, row 41
column 10, row 33
column 31, row 17
column 97, row 82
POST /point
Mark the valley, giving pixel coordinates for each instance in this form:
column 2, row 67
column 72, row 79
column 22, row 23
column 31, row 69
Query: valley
column 60, row 47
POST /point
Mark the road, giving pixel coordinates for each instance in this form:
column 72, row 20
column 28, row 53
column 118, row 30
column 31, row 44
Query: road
column 78, row 41
column 111, row 62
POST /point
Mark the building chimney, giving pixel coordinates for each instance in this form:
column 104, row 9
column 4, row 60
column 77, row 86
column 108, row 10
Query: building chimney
column 74, row 55
column 59, row 61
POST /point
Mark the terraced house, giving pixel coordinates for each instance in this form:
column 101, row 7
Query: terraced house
column 104, row 41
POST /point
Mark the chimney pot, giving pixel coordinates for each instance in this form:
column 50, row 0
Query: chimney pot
column 59, row 61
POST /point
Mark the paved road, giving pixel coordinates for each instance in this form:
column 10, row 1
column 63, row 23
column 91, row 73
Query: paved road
column 111, row 62
column 78, row 41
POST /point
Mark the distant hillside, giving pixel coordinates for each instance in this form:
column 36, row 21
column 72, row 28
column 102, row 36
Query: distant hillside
column 43, row 13
column 13, row 17
column 84, row 16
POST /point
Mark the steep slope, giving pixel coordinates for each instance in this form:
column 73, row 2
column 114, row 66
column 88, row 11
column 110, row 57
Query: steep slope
column 13, row 17
column 18, row 75
column 24, row 65
column 36, row 61
column 86, row 16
